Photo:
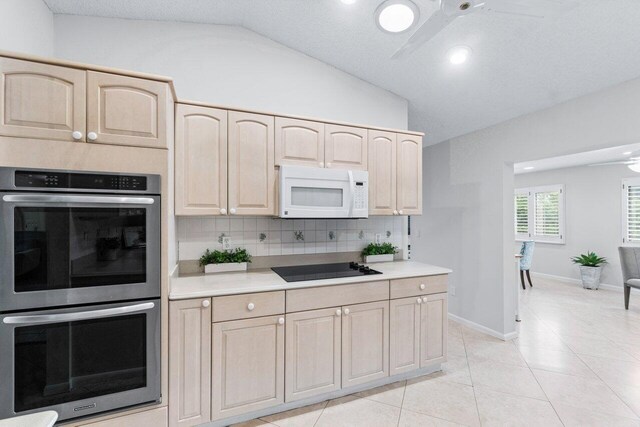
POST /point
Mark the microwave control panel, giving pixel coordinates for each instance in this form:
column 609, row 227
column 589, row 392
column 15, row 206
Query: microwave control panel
column 80, row 181
column 361, row 195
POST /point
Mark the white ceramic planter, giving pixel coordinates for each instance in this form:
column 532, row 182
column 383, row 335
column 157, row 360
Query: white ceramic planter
column 378, row 258
column 590, row 277
column 225, row 268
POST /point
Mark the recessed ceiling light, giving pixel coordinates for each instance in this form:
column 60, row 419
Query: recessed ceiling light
column 348, row 1
column 458, row 55
column 634, row 167
column 397, row 16
column 528, row 168
column 626, row 153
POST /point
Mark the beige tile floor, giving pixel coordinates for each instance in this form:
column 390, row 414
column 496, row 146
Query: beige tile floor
column 576, row 362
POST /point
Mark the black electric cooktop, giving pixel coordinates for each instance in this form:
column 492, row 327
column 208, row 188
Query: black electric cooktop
column 299, row 273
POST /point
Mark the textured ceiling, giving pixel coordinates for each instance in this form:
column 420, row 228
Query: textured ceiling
column 519, row 64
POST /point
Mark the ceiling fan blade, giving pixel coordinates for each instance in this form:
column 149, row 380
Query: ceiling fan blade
column 531, row 8
column 622, row 162
column 429, row 28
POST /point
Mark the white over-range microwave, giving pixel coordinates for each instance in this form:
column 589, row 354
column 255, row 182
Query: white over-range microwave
column 323, row 193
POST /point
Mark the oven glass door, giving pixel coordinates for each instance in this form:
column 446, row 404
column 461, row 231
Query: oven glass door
column 61, row 244
column 82, row 360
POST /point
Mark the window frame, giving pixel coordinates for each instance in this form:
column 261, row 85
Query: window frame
column 634, row 181
column 531, row 210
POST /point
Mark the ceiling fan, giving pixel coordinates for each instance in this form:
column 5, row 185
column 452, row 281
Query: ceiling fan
column 449, row 10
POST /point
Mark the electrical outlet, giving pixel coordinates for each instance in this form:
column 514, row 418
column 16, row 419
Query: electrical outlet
column 453, row 290
column 226, row 243
column 378, row 238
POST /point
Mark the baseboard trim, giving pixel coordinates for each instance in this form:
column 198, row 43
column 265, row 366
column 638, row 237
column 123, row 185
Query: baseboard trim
column 564, row 279
column 477, row 327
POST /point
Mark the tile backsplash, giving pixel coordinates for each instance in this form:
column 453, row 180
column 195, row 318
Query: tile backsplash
column 263, row 236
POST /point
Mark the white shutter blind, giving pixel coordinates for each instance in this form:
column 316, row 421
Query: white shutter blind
column 547, row 213
column 631, row 211
column 521, row 202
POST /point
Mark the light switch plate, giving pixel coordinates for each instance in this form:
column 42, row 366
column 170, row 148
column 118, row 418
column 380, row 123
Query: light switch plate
column 378, row 238
column 453, row 290
column 226, row 243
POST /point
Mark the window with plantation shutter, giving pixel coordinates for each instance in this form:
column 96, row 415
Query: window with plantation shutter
column 631, row 210
column 539, row 214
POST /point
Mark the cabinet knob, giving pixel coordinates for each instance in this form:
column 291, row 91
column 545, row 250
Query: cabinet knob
column 419, row 300
column 77, row 135
column 338, row 312
column 422, row 286
column 205, row 303
column 281, row 321
column 232, row 211
column 424, row 299
column 92, row 136
column 346, row 311
column 223, row 211
column 328, row 165
column 395, row 212
column 251, row 306
column 321, row 164
column 400, row 212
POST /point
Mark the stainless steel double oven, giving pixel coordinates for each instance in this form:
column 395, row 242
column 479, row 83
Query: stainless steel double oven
column 79, row 291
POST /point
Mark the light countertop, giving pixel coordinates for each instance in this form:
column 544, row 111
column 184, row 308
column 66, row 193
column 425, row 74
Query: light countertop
column 198, row 286
column 40, row 419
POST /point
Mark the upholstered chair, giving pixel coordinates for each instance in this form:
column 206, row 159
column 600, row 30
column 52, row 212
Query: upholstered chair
column 525, row 262
column 630, row 271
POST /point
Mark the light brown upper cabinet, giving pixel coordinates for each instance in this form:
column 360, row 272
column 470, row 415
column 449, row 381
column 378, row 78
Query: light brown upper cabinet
column 201, row 160
column 382, row 172
column 126, row 110
column 41, row 101
column 345, row 147
column 409, row 176
column 252, row 182
column 299, row 142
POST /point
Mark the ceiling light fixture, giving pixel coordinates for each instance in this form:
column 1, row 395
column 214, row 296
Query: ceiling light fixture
column 459, row 55
column 634, row 167
column 528, row 168
column 397, row 16
column 626, row 153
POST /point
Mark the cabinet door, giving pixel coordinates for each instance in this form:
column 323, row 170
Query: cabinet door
column 299, row 142
column 189, row 362
column 313, row 353
column 126, row 110
column 248, row 366
column 365, row 343
column 404, row 335
column 433, row 329
column 382, row 173
column 345, row 147
column 41, row 101
column 201, row 160
column 252, row 183
column 409, row 158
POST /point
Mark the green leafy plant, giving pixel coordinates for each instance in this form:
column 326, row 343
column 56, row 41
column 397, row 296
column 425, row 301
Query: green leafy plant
column 379, row 249
column 590, row 259
column 224, row 257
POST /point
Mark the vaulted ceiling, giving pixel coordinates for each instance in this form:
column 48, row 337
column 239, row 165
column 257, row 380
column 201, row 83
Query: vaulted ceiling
column 519, row 64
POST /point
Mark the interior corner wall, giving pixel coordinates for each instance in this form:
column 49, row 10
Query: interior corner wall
column 26, row 26
column 467, row 217
column 229, row 66
column 593, row 218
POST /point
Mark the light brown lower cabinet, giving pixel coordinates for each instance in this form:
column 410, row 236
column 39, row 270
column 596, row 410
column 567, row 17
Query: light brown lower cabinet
column 248, row 365
column 433, row 329
column 365, row 343
column 189, row 362
column 313, row 355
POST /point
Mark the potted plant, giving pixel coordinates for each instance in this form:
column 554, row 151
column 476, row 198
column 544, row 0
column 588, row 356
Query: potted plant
column 379, row 252
column 590, row 269
column 224, row 261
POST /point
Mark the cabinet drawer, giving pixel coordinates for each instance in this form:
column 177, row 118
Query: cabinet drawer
column 335, row 296
column 402, row 288
column 248, row 305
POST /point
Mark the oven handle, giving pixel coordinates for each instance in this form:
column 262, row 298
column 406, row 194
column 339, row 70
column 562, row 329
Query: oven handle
column 54, row 198
column 81, row 315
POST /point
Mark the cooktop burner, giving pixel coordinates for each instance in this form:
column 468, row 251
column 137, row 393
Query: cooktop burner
column 299, row 273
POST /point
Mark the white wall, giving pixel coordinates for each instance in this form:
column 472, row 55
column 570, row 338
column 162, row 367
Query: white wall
column 467, row 221
column 229, row 66
column 26, row 26
column 593, row 218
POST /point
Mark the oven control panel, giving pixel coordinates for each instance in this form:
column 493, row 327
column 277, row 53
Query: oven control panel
column 80, row 181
